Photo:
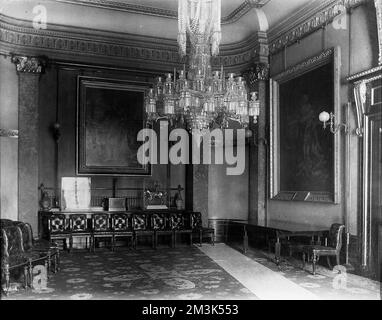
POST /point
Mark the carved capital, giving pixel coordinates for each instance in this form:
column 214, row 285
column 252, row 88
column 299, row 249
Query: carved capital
column 259, row 71
column 29, row 64
column 9, row 133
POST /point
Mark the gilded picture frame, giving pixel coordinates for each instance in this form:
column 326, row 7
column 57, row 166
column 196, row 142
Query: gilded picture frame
column 110, row 113
column 304, row 158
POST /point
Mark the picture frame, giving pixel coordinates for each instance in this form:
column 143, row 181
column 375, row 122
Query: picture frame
column 110, row 113
column 304, row 158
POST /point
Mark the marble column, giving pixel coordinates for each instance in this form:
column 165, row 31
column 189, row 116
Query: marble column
column 262, row 157
column 29, row 70
column 257, row 78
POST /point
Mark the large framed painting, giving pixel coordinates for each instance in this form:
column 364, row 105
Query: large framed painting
column 110, row 113
column 304, row 157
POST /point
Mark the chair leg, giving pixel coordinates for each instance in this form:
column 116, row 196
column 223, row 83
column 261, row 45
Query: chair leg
column 46, row 268
column 55, row 262
column 213, row 239
column 7, row 278
column 70, row 244
column 303, row 260
column 338, row 259
column 58, row 259
column 49, row 263
column 329, row 263
column 26, row 273
column 191, row 239
column 30, row 272
column 314, row 261
column 200, row 237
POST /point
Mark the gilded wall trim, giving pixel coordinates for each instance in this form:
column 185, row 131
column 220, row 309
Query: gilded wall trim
column 313, row 19
column 306, row 65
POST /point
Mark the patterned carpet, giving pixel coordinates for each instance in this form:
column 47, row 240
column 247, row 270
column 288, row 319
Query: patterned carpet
column 326, row 284
column 184, row 273
column 177, row 274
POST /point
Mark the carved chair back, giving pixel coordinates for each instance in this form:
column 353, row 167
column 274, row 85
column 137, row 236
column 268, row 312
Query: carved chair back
column 335, row 236
column 140, row 221
column 100, row 222
column 78, row 223
column 57, row 223
column 120, row 222
column 177, row 221
column 160, row 221
column 196, row 220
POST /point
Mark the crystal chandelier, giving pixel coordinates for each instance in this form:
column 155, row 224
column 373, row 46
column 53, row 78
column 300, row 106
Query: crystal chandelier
column 201, row 98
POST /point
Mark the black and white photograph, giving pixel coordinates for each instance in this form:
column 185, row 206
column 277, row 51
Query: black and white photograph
column 190, row 158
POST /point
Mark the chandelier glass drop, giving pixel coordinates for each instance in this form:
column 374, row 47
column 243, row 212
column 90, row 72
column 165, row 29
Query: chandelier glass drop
column 201, row 98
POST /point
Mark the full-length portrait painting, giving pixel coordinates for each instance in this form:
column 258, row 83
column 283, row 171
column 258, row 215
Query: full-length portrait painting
column 110, row 115
column 306, row 157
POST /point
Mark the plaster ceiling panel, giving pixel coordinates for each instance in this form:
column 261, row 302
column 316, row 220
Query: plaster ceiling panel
column 227, row 5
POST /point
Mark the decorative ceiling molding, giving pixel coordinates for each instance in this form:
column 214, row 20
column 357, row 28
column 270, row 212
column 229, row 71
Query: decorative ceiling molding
column 74, row 44
column 232, row 17
column 308, row 20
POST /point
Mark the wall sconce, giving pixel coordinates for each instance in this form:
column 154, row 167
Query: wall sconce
column 334, row 127
column 249, row 135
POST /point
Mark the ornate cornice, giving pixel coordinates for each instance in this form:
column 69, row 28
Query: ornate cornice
column 9, row 133
column 76, row 44
column 28, row 64
column 312, row 19
column 232, row 17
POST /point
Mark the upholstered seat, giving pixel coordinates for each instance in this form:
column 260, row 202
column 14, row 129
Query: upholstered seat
column 39, row 246
column 14, row 258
